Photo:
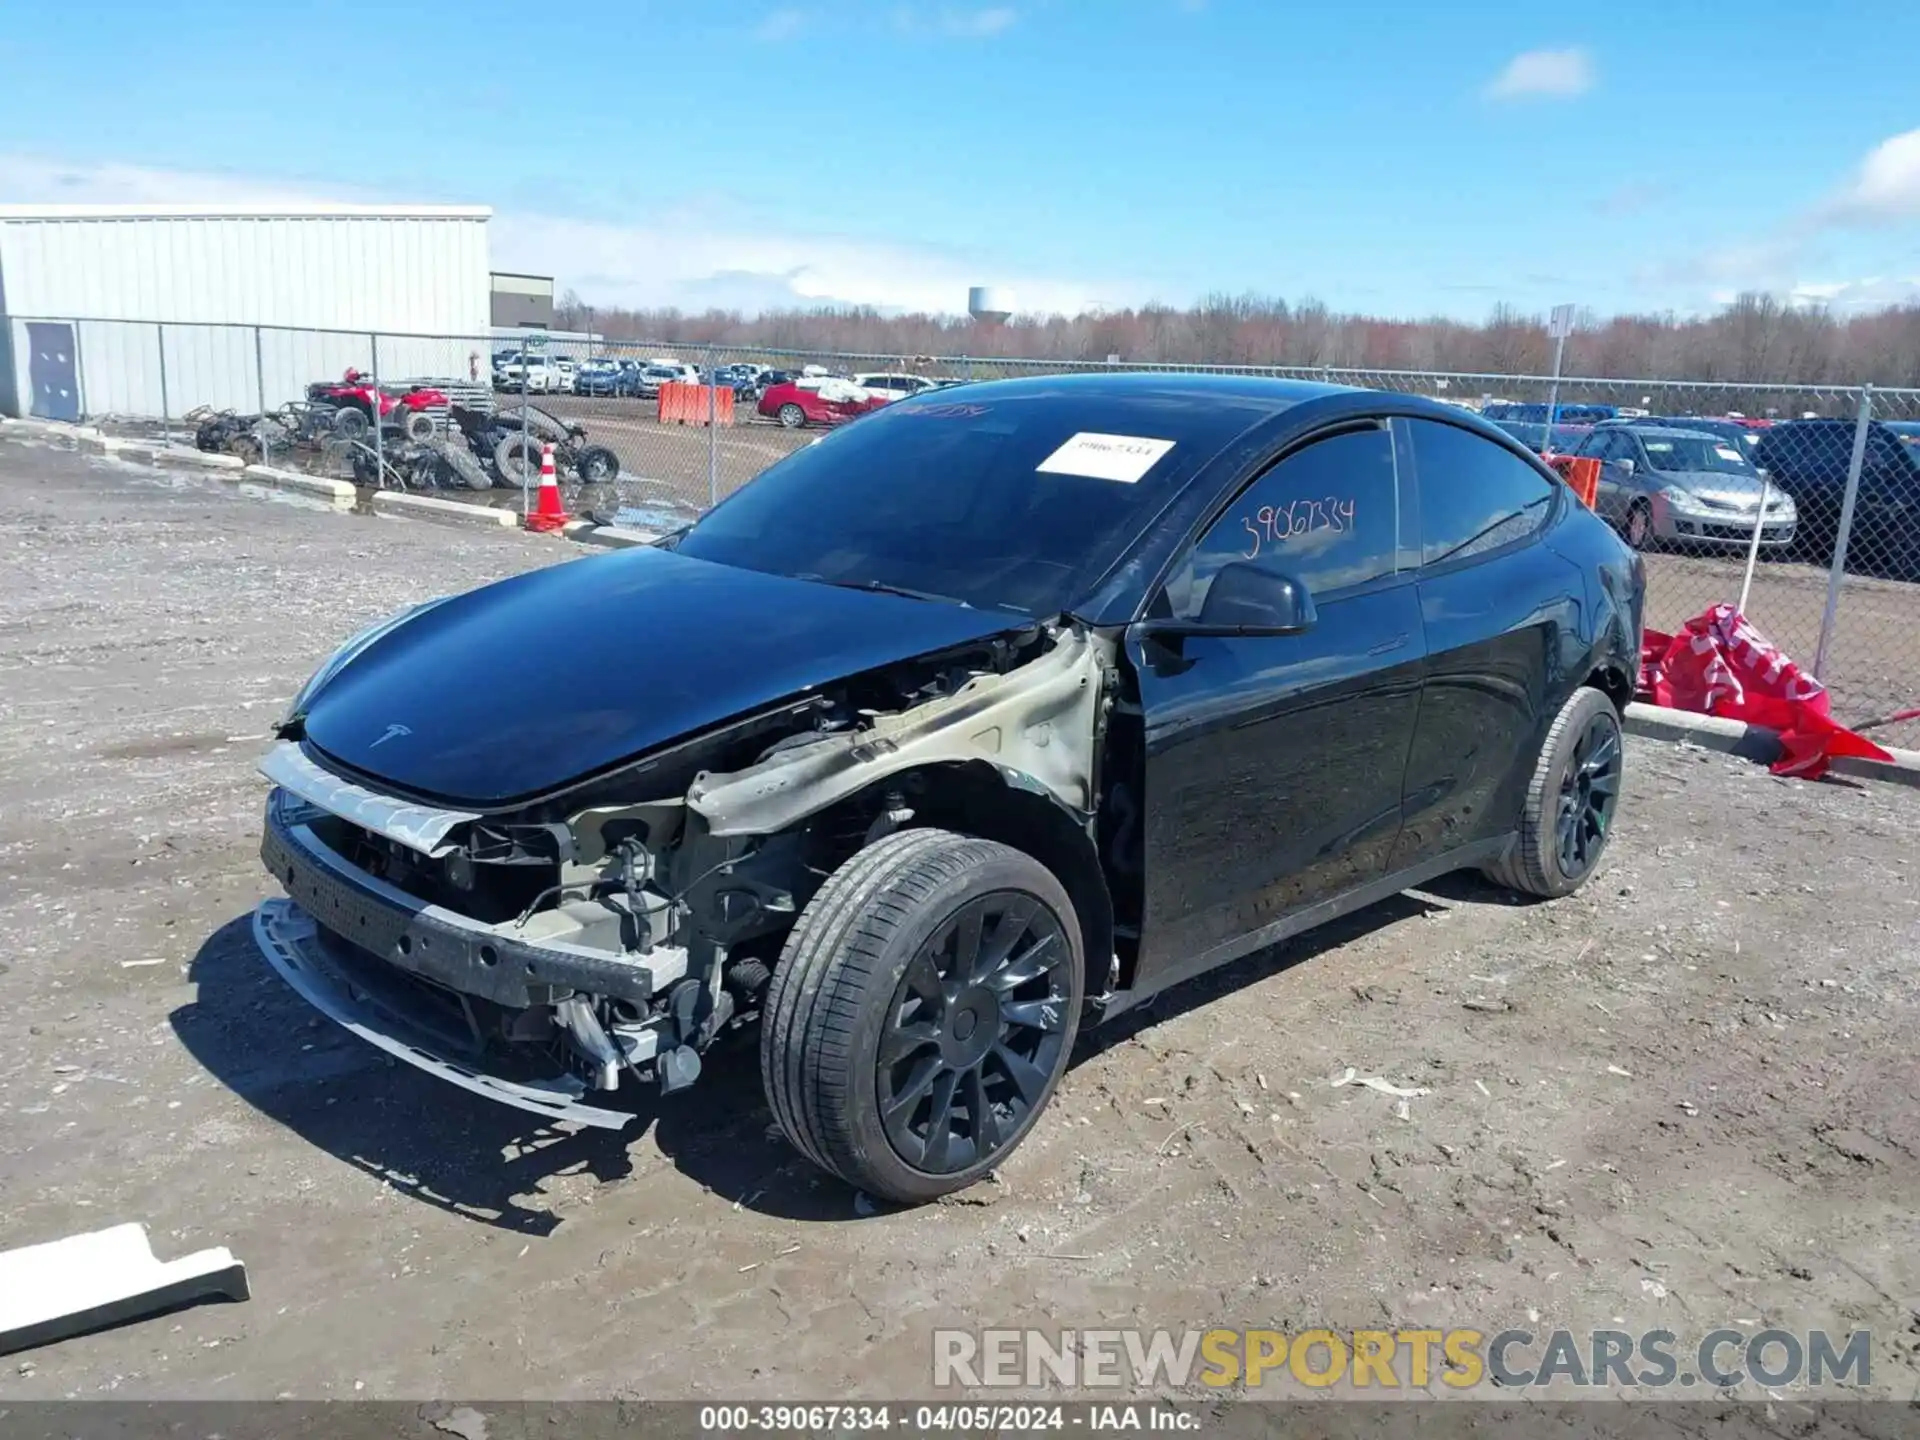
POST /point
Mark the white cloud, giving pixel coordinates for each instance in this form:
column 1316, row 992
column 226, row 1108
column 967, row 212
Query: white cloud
column 680, row 259
column 1553, row 74
column 778, row 25
column 978, row 24
column 1885, row 187
column 954, row 22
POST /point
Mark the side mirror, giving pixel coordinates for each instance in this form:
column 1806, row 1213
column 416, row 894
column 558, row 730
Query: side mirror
column 1626, row 466
column 1244, row 599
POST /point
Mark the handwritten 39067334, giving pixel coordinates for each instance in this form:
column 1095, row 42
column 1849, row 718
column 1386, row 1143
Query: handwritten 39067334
column 1275, row 524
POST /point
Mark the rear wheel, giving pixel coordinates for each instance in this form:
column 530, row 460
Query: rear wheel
column 923, row 1012
column 349, row 423
column 1570, row 801
column 597, row 465
column 792, row 416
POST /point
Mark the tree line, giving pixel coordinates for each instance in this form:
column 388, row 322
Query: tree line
column 1758, row 338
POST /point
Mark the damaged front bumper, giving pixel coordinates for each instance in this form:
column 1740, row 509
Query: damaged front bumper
column 294, row 945
column 447, row 993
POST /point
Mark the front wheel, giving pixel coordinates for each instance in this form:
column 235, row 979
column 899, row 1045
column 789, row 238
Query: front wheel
column 792, row 416
column 922, row 1013
column 1640, row 525
column 1570, row 801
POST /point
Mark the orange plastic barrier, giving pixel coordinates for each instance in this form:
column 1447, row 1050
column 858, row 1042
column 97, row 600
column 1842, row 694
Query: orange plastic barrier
column 695, row 404
column 1582, row 474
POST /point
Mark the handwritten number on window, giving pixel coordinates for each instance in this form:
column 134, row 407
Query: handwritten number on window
column 1276, row 524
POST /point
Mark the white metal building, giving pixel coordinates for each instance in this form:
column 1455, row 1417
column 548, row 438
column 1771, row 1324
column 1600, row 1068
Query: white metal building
column 145, row 310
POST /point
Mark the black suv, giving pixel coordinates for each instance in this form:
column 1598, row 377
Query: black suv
column 983, row 719
column 1809, row 459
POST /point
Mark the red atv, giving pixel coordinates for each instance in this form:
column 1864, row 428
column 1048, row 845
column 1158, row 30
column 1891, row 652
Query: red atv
column 418, row 413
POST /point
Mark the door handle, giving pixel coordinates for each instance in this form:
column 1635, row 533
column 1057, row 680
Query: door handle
column 1387, row 647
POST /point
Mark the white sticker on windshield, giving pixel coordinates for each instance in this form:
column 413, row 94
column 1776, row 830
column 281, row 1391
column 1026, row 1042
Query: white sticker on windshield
column 1726, row 453
column 1124, row 458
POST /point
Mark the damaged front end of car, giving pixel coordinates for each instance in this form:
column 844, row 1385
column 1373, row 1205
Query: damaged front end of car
column 614, row 929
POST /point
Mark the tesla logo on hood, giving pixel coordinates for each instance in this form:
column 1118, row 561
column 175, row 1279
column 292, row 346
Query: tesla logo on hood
column 394, row 732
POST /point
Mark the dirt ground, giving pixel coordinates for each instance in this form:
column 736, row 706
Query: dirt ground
column 1685, row 1098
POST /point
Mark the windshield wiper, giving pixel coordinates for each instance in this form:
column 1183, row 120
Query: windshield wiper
column 881, row 587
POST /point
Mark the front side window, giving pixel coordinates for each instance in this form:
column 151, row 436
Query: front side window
column 1327, row 516
column 1475, row 495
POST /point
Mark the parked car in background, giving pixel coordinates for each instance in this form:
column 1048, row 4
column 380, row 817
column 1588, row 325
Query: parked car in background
column 1742, row 435
column 656, row 373
column 1566, row 438
column 1809, row 459
column 951, row 737
column 603, row 377
column 892, row 385
column 817, row 400
column 1659, row 484
column 541, row 376
column 1906, row 430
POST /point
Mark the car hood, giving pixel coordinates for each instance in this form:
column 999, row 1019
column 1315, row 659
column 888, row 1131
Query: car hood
column 1740, row 490
column 521, row 687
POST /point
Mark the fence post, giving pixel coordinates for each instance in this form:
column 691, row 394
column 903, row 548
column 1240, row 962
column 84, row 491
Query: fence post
column 713, row 432
column 166, row 409
column 1837, row 572
column 379, row 441
column 259, row 372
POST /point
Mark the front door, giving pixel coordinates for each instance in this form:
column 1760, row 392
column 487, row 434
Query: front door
column 53, row 370
column 1274, row 763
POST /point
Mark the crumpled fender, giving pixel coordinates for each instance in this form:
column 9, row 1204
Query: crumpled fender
column 1034, row 724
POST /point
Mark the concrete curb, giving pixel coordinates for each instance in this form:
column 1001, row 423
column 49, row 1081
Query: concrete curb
column 446, row 512
column 613, row 537
column 1758, row 743
column 337, row 493
column 198, row 459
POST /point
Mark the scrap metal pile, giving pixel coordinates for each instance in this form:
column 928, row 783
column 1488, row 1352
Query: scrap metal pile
column 431, row 434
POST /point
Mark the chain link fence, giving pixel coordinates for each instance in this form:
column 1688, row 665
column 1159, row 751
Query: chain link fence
column 1799, row 503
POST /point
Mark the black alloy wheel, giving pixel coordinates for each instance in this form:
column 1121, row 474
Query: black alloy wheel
column 975, row 1033
column 922, row 1013
column 1587, row 796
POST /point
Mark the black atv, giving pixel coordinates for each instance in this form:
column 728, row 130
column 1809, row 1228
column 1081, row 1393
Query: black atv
column 509, row 441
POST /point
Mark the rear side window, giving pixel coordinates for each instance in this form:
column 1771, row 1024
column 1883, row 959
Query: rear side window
column 1475, row 496
column 1327, row 516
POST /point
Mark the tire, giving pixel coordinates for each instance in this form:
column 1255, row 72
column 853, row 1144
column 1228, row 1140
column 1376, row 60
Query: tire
column 791, row 416
column 538, row 424
column 350, row 424
column 597, row 465
column 516, row 459
column 841, row 991
column 417, row 426
column 1639, row 526
column 1540, row 863
column 458, row 465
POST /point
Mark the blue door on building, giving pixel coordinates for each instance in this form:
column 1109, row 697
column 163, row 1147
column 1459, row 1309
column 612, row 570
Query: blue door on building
column 53, row 369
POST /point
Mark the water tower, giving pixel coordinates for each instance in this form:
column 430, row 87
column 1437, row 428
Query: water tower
column 987, row 305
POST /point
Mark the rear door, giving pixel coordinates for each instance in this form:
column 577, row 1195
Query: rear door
column 1274, row 764
column 1497, row 609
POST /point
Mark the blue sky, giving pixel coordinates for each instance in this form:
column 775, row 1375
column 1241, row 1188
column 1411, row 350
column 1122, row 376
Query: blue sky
column 1392, row 157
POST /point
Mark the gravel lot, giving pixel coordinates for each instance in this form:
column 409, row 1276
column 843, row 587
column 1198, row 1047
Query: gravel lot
column 1685, row 1098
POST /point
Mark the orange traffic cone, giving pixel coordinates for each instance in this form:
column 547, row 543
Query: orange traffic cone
column 548, row 512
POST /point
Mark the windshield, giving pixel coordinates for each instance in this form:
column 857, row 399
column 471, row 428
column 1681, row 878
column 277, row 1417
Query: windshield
column 1684, row 453
column 1015, row 501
